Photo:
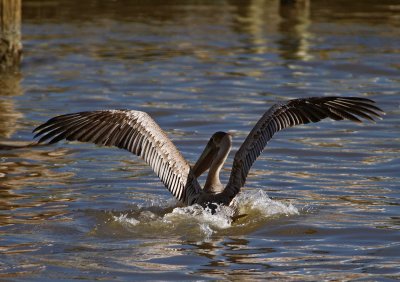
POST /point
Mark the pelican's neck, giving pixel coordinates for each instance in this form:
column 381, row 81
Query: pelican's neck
column 213, row 183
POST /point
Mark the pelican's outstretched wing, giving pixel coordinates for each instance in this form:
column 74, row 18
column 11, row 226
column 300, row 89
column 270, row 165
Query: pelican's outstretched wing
column 134, row 131
column 292, row 113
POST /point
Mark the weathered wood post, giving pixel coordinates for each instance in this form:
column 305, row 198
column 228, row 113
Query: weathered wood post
column 10, row 35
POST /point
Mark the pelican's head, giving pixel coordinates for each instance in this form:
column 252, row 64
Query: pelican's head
column 219, row 141
column 219, row 138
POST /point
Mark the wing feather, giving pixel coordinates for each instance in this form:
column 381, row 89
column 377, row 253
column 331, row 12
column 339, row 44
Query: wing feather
column 289, row 114
column 134, row 131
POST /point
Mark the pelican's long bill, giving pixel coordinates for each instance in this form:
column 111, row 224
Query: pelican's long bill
column 138, row 133
column 205, row 159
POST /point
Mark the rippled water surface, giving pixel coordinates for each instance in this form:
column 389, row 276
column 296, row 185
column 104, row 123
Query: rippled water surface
column 322, row 202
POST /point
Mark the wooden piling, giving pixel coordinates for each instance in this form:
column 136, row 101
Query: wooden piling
column 10, row 35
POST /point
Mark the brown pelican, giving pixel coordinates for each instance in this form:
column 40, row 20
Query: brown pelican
column 138, row 133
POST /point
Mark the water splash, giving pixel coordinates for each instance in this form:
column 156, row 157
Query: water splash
column 158, row 218
column 125, row 220
column 222, row 218
column 258, row 200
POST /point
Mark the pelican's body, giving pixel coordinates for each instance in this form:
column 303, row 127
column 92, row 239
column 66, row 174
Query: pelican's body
column 138, row 133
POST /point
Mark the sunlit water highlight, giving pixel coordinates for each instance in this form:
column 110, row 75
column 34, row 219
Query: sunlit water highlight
column 321, row 203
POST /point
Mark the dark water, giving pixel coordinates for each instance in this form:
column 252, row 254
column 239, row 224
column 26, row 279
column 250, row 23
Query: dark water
column 321, row 203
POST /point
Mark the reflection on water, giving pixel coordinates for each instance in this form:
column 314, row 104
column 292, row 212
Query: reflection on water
column 294, row 26
column 28, row 171
column 321, row 203
column 9, row 86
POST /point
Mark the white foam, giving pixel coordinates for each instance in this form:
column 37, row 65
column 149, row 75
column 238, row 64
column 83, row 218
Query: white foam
column 125, row 220
column 195, row 219
column 221, row 219
column 258, row 200
column 206, row 230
